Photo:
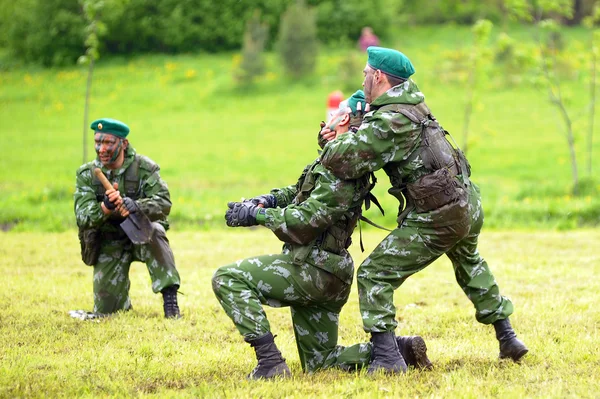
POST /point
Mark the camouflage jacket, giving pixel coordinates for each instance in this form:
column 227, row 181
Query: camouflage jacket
column 316, row 217
column 152, row 195
column 386, row 140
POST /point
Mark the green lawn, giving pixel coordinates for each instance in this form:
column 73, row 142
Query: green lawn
column 550, row 276
column 216, row 142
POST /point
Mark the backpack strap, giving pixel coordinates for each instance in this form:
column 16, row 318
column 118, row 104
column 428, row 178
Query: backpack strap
column 132, row 179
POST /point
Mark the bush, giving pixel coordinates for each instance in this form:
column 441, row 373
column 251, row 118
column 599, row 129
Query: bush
column 298, row 43
column 253, row 63
column 342, row 20
column 460, row 11
column 50, row 32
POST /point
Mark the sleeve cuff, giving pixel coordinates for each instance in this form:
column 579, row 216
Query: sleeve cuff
column 261, row 216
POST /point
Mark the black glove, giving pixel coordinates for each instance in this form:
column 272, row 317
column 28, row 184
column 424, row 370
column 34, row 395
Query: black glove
column 130, row 205
column 109, row 205
column 266, row 200
column 241, row 214
column 320, row 140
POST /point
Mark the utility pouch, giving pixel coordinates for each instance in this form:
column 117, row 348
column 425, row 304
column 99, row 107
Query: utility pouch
column 335, row 244
column 299, row 253
column 433, row 191
column 89, row 239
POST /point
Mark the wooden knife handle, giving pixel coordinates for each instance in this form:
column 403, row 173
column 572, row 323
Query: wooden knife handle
column 103, row 179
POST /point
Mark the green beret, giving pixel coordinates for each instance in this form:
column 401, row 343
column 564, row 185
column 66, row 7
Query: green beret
column 357, row 97
column 389, row 61
column 110, row 126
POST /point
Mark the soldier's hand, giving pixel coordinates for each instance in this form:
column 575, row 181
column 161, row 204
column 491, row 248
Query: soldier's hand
column 128, row 207
column 241, row 214
column 112, row 199
column 327, row 134
column 320, row 138
column 265, row 201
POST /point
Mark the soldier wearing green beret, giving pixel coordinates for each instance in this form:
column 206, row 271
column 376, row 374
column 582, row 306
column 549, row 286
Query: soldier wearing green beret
column 313, row 275
column 138, row 187
column 440, row 208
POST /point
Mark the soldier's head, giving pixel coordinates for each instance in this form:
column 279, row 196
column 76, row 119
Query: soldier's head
column 385, row 69
column 110, row 141
column 349, row 115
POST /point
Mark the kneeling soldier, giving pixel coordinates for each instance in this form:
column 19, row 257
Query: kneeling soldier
column 313, row 275
column 99, row 213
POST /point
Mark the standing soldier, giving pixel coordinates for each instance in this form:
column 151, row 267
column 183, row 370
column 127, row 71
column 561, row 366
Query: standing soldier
column 440, row 208
column 99, row 212
column 313, row 275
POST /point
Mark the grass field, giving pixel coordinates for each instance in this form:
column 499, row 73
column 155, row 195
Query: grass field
column 217, row 142
column 550, row 276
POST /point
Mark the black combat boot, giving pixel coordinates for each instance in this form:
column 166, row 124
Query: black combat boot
column 170, row 302
column 510, row 346
column 414, row 352
column 386, row 355
column 270, row 363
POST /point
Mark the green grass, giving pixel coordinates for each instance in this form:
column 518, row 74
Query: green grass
column 550, row 276
column 216, row 142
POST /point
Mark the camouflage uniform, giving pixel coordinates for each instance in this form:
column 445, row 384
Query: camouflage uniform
column 389, row 140
column 138, row 178
column 312, row 275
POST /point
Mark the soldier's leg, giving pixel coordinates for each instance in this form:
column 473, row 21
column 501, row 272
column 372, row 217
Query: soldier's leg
column 401, row 254
column 478, row 283
column 472, row 271
column 160, row 262
column 316, row 331
column 111, row 277
column 405, row 251
column 243, row 287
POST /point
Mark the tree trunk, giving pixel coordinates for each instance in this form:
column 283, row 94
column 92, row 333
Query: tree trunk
column 592, row 107
column 86, row 108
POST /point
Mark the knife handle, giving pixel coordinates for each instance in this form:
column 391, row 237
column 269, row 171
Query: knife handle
column 103, row 179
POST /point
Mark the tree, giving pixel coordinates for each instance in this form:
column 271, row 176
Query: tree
column 255, row 38
column 481, row 32
column 94, row 28
column 546, row 15
column 590, row 23
column 298, row 42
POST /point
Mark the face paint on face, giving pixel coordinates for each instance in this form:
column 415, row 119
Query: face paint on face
column 108, row 147
column 335, row 122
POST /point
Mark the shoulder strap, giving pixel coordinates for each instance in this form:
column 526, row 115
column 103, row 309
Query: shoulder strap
column 369, row 197
column 132, row 178
column 417, row 113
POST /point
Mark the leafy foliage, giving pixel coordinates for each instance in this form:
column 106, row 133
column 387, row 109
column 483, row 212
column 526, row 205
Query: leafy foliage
column 255, row 38
column 298, row 44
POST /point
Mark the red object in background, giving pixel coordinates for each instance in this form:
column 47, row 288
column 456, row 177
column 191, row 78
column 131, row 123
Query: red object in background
column 333, row 102
column 334, row 99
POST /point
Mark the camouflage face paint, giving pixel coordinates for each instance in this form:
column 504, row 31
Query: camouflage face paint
column 335, row 122
column 108, row 147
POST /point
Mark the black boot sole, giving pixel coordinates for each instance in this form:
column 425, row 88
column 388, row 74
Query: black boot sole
column 280, row 370
column 419, row 353
column 515, row 357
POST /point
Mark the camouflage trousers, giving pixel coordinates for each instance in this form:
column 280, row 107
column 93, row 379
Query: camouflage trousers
column 111, row 272
column 314, row 296
column 415, row 245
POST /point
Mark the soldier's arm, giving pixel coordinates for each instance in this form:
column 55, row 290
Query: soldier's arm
column 380, row 139
column 286, row 195
column 156, row 200
column 88, row 212
column 302, row 223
